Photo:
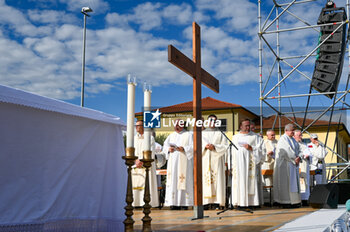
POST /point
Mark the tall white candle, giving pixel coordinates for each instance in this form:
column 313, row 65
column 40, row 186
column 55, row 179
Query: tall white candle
column 130, row 112
column 147, row 107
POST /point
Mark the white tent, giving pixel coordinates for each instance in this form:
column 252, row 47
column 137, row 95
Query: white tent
column 60, row 166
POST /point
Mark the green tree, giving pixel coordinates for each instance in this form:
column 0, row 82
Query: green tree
column 161, row 138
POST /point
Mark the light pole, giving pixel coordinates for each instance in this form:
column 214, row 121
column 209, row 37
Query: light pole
column 84, row 11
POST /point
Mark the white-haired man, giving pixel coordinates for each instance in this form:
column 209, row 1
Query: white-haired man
column 139, row 172
column 269, row 149
column 304, row 167
column 318, row 152
column 286, row 189
column 260, row 141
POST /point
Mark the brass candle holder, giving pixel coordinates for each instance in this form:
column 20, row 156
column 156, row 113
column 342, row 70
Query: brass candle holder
column 129, row 161
column 147, row 163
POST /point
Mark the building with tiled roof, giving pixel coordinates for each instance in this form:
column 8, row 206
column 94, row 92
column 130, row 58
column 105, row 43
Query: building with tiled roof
column 338, row 136
column 229, row 113
column 208, row 103
column 272, row 122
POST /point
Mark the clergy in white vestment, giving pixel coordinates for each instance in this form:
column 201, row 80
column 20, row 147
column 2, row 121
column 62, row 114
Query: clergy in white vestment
column 139, row 172
column 286, row 186
column 318, row 152
column 214, row 146
column 245, row 177
column 304, row 167
column 259, row 165
column 269, row 150
column 178, row 148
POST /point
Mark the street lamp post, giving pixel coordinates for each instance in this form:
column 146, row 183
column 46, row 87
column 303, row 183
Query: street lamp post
column 84, row 11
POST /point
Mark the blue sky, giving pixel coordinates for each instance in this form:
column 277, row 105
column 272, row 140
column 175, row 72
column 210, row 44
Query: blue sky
column 41, row 49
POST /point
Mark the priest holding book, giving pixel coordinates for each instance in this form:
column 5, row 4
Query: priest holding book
column 178, row 148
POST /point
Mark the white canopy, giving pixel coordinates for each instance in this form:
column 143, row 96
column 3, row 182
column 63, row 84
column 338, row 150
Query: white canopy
column 60, row 166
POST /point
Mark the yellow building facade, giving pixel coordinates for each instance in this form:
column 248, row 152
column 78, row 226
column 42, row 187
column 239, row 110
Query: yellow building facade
column 320, row 128
column 231, row 114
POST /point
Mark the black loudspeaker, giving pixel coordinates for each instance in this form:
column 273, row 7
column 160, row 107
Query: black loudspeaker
column 329, row 61
column 344, row 192
column 324, row 196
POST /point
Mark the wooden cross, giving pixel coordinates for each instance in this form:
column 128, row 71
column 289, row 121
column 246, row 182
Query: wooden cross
column 193, row 68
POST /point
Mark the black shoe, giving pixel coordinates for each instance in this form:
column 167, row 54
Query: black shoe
column 294, row 206
column 286, row 206
column 175, row 207
column 255, row 207
column 206, row 207
column 276, row 204
column 304, row 203
column 184, row 207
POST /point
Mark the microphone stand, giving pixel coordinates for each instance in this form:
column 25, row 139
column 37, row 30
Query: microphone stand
column 229, row 205
column 231, row 143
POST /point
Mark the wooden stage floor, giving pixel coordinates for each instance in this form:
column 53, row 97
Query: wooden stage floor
column 263, row 219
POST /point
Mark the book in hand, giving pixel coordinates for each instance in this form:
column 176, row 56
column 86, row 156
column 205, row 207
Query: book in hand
column 173, row 145
column 242, row 142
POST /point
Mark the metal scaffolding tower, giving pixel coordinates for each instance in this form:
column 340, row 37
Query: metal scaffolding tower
column 275, row 77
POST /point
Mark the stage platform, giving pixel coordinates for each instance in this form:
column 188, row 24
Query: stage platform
column 263, row 219
column 319, row 220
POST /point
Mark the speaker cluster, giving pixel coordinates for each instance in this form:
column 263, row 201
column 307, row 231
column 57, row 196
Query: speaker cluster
column 330, row 55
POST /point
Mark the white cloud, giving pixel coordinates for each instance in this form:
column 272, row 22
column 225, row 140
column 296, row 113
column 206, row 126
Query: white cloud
column 238, row 74
column 178, row 14
column 118, row 20
column 51, row 49
column 240, row 15
column 130, row 52
column 22, row 68
column 200, row 17
column 17, row 21
column 226, row 45
column 98, row 6
column 48, row 58
column 53, row 63
column 147, row 15
column 51, row 16
column 68, row 32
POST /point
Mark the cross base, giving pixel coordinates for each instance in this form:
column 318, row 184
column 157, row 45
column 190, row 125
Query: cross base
column 198, row 212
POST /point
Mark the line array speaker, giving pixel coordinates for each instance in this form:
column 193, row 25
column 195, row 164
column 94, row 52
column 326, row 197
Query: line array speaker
column 330, row 57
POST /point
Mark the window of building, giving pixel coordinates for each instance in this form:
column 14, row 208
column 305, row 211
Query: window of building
column 306, row 141
column 223, row 124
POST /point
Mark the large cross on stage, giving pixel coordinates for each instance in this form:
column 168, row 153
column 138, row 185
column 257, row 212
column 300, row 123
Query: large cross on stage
column 194, row 69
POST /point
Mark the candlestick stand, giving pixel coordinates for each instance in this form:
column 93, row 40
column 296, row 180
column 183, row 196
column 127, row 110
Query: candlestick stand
column 147, row 163
column 129, row 161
